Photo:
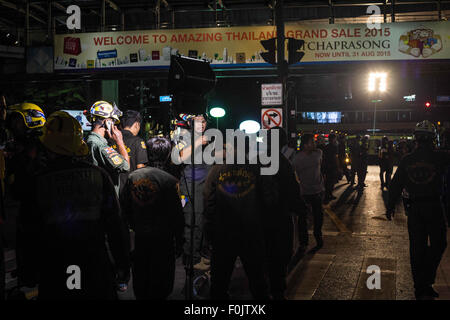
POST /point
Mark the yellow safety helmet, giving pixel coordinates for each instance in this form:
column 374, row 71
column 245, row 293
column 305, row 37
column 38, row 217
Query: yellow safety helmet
column 62, row 134
column 33, row 116
column 103, row 109
column 425, row 127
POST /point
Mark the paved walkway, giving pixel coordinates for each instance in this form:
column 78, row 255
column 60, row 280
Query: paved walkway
column 356, row 236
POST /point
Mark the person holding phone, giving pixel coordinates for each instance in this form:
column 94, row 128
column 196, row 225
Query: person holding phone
column 104, row 117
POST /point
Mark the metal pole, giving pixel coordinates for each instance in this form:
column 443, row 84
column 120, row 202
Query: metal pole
column 49, row 21
column 439, row 10
column 141, row 94
column 103, row 15
column 173, row 18
column 392, row 10
column 281, row 63
column 122, row 20
column 192, row 235
column 27, row 24
column 374, row 117
column 158, row 14
column 330, row 4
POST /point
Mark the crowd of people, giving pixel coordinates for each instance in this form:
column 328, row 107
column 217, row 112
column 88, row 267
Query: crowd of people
column 116, row 207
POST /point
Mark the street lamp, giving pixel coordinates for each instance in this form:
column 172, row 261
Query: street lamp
column 217, row 112
column 381, row 78
column 249, row 126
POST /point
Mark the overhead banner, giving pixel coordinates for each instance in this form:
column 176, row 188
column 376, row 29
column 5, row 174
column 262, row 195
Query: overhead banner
column 237, row 46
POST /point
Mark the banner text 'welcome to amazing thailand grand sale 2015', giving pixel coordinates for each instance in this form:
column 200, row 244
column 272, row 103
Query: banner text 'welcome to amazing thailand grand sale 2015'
column 241, row 45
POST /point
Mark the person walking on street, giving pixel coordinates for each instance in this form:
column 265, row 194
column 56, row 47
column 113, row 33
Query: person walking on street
column 364, row 158
column 331, row 168
column 389, row 162
column 383, row 161
column 307, row 164
column 421, row 173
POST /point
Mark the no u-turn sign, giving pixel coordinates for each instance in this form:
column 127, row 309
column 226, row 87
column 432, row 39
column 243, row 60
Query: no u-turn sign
column 271, row 117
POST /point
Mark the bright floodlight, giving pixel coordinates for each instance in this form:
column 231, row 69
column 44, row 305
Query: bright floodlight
column 371, row 82
column 217, row 112
column 381, row 77
column 249, row 126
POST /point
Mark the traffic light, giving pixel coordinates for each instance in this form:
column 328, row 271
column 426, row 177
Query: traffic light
column 427, row 104
column 270, row 55
column 294, row 55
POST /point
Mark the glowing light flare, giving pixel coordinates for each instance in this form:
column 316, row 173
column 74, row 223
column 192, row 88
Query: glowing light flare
column 249, row 126
column 217, row 112
column 381, row 77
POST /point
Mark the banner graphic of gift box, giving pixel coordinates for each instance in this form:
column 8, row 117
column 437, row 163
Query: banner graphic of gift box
column 420, row 42
column 72, row 46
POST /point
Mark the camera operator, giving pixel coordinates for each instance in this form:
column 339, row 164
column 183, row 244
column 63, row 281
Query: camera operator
column 200, row 256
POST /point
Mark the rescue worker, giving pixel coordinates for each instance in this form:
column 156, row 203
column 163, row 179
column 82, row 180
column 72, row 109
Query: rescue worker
column 24, row 123
column 233, row 226
column 151, row 203
column 70, row 207
column 281, row 200
column 104, row 118
column 135, row 145
column 420, row 173
column 198, row 175
column 24, row 156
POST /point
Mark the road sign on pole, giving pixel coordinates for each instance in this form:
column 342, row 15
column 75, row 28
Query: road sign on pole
column 271, row 94
column 271, row 117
